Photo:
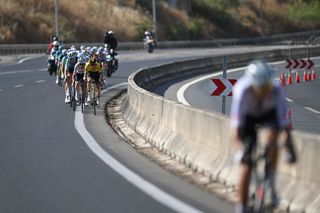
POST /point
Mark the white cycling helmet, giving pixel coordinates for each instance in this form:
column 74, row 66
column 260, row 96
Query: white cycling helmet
column 260, row 73
column 110, row 32
column 55, row 43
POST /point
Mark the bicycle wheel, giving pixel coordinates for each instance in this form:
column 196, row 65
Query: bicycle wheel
column 73, row 97
column 82, row 96
column 94, row 99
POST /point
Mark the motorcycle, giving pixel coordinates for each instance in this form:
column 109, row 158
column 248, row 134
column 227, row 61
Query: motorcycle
column 149, row 44
column 112, row 62
column 52, row 66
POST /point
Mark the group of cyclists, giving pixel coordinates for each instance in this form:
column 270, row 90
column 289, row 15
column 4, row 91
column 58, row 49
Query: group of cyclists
column 84, row 66
column 257, row 102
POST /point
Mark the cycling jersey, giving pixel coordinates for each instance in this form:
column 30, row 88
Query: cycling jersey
column 245, row 104
column 70, row 63
column 96, row 67
column 79, row 68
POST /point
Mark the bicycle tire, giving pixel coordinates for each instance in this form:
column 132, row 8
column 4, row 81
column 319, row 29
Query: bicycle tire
column 94, row 100
column 82, row 97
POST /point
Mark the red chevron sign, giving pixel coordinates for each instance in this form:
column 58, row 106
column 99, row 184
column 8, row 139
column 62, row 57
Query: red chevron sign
column 310, row 64
column 299, row 63
column 223, row 87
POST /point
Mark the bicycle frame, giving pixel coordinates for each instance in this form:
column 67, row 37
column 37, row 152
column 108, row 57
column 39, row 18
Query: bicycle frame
column 260, row 176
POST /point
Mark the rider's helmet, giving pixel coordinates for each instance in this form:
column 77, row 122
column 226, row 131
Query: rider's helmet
column 110, row 33
column 93, row 58
column 93, row 49
column 82, row 47
column 260, row 73
column 72, row 54
column 81, row 59
column 64, row 52
column 55, row 43
column 146, row 33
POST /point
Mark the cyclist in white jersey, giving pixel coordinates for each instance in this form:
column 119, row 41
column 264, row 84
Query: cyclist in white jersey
column 258, row 100
column 79, row 73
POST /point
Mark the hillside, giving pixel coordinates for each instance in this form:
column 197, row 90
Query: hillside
column 32, row 21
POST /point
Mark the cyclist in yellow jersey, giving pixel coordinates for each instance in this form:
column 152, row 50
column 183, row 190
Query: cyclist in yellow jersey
column 92, row 71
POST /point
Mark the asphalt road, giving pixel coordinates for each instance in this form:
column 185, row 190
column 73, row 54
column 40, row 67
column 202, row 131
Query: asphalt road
column 46, row 166
column 302, row 98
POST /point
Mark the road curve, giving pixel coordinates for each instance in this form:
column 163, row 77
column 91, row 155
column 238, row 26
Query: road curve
column 301, row 97
column 47, row 166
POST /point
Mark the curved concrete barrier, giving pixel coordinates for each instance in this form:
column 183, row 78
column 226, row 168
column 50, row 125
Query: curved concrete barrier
column 201, row 139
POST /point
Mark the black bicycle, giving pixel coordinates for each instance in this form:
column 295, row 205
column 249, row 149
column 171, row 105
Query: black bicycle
column 73, row 102
column 260, row 178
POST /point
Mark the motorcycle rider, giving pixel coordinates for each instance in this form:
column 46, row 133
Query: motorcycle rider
column 148, row 38
column 110, row 40
column 55, row 39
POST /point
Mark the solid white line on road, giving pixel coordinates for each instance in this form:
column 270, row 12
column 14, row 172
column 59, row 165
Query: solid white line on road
column 145, row 186
column 289, row 100
column 19, row 85
column 312, row 110
column 40, row 81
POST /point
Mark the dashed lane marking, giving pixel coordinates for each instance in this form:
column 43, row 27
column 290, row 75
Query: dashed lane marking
column 19, row 85
column 40, row 81
column 312, row 110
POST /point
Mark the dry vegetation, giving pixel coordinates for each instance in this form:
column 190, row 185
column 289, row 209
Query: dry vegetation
column 32, row 21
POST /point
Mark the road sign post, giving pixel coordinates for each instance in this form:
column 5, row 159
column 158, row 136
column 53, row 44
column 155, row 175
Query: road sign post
column 224, row 76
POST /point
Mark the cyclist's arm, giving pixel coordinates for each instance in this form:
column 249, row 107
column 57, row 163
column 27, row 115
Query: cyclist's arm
column 236, row 115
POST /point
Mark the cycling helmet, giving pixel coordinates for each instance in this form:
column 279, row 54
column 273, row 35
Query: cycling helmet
column 72, row 54
column 146, row 33
column 55, row 43
column 81, row 58
column 110, row 32
column 64, row 52
column 260, row 73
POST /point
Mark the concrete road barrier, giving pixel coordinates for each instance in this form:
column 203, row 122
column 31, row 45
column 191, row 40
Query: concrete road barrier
column 201, row 139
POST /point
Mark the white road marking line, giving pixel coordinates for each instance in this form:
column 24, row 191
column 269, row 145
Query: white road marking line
column 289, row 100
column 312, row 110
column 1, row 90
column 40, row 81
column 42, row 69
column 19, row 85
column 15, row 72
column 145, row 186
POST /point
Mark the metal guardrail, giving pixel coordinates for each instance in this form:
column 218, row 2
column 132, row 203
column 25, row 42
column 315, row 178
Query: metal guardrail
column 290, row 38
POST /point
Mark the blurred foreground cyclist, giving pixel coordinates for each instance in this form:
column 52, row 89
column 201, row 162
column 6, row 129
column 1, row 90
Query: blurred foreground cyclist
column 257, row 100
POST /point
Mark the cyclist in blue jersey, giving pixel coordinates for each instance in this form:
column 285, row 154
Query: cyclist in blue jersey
column 68, row 72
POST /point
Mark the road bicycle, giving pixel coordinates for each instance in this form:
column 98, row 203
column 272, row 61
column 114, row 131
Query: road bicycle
column 261, row 190
column 93, row 94
column 73, row 102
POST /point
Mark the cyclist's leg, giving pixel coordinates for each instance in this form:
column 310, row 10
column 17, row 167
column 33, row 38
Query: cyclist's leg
column 248, row 136
column 271, row 135
column 88, row 87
